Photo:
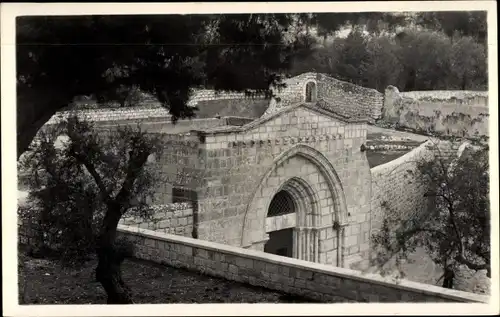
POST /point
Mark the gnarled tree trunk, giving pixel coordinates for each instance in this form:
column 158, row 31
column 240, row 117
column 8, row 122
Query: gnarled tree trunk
column 110, row 258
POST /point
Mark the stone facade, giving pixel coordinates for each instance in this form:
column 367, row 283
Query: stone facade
column 233, row 173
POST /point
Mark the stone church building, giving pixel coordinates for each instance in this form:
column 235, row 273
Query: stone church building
column 293, row 180
column 287, row 175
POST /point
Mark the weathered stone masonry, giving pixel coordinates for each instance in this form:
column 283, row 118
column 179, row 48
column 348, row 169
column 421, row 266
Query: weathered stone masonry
column 304, row 149
column 343, row 97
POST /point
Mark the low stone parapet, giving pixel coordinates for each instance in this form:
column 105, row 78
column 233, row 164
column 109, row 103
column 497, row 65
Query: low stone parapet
column 313, row 280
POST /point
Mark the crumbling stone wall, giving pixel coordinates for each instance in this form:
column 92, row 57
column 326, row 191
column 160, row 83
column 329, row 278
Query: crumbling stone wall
column 208, row 94
column 346, row 98
column 458, row 113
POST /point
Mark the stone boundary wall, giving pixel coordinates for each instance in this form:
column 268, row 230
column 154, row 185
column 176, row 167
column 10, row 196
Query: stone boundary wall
column 174, row 218
column 344, row 97
column 208, row 94
column 313, row 280
column 469, row 97
column 391, row 183
column 357, row 101
column 392, row 145
column 457, row 113
column 110, row 114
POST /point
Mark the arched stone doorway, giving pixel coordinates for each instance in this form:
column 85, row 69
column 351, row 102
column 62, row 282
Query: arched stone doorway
column 292, row 221
column 320, row 211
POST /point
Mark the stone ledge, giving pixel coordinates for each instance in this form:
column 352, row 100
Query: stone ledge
column 403, row 285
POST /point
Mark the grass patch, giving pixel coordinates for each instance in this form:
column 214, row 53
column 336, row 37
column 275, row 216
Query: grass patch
column 376, row 158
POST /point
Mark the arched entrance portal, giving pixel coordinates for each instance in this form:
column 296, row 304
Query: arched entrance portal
column 291, row 223
column 320, row 210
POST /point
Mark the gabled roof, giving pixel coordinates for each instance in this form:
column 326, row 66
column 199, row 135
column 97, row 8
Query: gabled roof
column 320, row 107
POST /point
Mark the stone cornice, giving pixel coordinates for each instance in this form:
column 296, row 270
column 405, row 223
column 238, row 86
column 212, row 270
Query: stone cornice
column 285, row 140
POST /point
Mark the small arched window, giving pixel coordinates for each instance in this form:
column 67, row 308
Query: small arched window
column 311, row 92
column 281, row 204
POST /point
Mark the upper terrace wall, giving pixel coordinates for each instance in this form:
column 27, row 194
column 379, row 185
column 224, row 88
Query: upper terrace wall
column 350, row 99
column 459, row 113
column 115, row 114
column 207, row 94
column 444, row 112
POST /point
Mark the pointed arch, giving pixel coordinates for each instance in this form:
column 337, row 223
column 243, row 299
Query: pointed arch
column 259, row 213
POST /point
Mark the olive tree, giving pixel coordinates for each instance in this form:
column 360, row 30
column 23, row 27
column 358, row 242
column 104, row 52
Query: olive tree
column 81, row 188
column 455, row 230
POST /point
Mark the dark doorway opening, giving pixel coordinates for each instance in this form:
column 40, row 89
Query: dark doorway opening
column 311, row 92
column 280, row 243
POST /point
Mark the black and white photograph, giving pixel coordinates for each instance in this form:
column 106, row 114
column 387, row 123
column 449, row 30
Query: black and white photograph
column 249, row 153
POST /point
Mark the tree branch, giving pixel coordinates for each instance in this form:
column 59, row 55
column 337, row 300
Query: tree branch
column 93, row 172
column 451, row 210
column 138, row 158
column 473, row 266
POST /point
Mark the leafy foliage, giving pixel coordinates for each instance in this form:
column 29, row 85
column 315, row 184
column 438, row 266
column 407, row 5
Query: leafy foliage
column 456, row 231
column 411, row 59
column 68, row 193
column 462, row 23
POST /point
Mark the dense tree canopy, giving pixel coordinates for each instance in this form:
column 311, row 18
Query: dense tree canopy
column 411, row 59
column 462, row 23
column 59, row 58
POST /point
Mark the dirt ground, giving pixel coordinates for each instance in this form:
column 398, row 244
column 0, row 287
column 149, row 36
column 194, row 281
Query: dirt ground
column 46, row 282
column 420, row 268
